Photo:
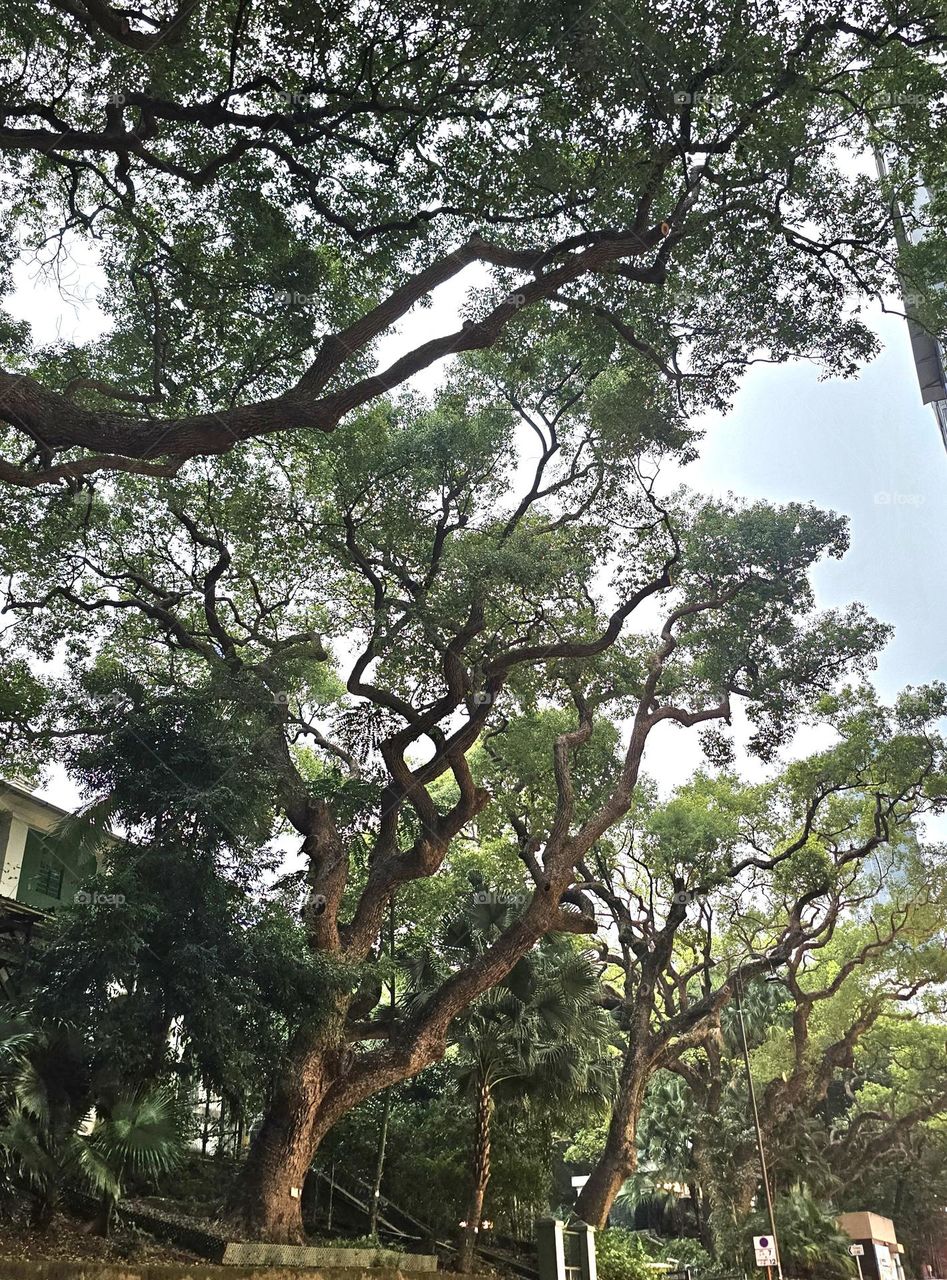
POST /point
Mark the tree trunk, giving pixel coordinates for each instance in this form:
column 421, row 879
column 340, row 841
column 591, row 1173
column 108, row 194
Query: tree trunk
column 205, row 1135
column 481, row 1177
column 620, row 1158
column 713, row 1232
column 728, row 1191
column 323, row 1078
column 221, row 1129
column 379, row 1165
column 266, row 1202
column 694, row 1192
column 746, row 1185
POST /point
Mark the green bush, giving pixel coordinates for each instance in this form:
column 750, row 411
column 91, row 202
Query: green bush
column 686, row 1252
column 622, row 1255
column 810, row 1241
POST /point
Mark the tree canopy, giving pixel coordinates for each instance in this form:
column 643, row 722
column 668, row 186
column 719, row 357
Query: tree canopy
column 362, row 643
column 267, row 191
column 263, row 584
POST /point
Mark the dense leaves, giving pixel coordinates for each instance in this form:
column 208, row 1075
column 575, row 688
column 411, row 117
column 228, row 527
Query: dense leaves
column 264, row 192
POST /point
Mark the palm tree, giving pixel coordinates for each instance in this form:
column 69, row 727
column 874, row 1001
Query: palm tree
column 665, row 1156
column 810, row 1240
column 137, row 1136
column 44, row 1093
column 538, row 1042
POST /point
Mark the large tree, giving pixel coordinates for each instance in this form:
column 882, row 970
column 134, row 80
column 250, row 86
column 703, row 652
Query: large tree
column 844, row 1018
column 883, row 1129
column 265, row 190
column 269, row 192
column 331, row 638
column 878, row 959
column 729, row 881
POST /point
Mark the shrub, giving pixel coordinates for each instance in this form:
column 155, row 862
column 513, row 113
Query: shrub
column 622, row 1255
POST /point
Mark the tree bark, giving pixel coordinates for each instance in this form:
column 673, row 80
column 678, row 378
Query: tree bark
column 717, row 1216
column 481, row 1177
column 266, row 1202
column 620, row 1158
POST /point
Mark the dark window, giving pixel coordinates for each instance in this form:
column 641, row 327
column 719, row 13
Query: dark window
column 48, row 880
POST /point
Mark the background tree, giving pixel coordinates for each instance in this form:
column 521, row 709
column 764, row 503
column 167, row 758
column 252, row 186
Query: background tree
column 799, row 843
column 880, row 959
column 174, row 971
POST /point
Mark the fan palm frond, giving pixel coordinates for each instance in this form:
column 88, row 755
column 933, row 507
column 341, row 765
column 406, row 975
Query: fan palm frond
column 92, row 1168
column 23, row 1144
column 141, row 1134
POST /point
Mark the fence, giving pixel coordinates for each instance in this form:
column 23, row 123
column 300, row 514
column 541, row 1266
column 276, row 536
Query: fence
column 565, row 1253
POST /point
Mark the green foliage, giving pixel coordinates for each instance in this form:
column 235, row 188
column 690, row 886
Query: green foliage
column 621, row 1255
column 45, row 1091
column 541, row 1039
column 684, row 1251
column 429, row 1132
column 259, row 220
column 811, row 1242
column 136, row 1136
column 166, row 939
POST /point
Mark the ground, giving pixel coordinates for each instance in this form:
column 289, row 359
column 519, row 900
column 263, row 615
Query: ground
column 68, row 1240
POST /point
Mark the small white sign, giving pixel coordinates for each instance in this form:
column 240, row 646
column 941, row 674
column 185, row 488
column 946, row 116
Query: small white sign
column 857, row 1250
column 580, row 1181
column 885, row 1265
column 765, row 1249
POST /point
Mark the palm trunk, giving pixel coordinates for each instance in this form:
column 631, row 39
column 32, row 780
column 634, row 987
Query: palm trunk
column 620, row 1157
column 694, row 1192
column 481, row 1177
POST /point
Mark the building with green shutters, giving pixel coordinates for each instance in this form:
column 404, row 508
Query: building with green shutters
column 38, row 873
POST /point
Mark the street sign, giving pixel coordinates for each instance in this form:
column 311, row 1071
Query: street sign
column 765, row 1249
column 857, row 1250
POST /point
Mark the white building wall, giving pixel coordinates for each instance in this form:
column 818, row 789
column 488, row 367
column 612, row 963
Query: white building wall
column 13, row 857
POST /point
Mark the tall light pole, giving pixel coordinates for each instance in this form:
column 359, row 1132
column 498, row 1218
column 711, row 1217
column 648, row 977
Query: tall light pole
column 756, row 1125
column 386, row 1113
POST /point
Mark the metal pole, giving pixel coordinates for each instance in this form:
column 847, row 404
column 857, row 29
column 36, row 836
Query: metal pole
column 859, row 1264
column 386, row 1113
column 756, row 1126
